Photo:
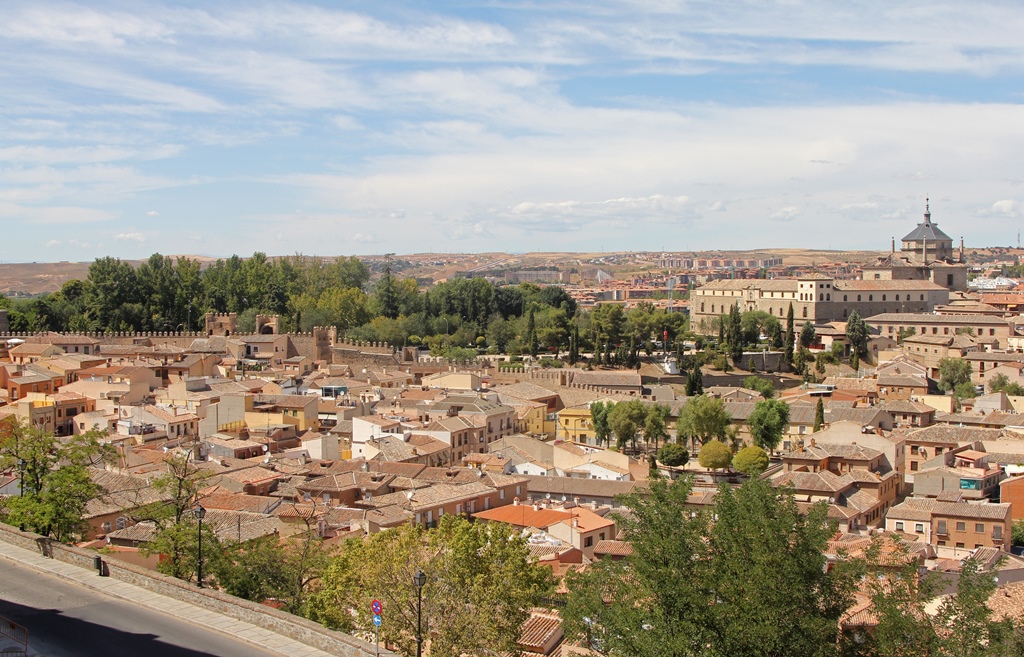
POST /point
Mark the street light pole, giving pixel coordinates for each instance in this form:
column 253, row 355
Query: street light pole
column 200, row 512
column 419, row 579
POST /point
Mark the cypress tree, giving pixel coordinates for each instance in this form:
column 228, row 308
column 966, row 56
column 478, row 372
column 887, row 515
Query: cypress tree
column 819, row 415
column 531, row 333
column 790, row 335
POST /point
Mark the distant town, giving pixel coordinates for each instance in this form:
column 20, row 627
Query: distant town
column 319, row 427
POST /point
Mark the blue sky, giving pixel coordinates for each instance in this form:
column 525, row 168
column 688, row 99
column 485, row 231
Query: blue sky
column 333, row 128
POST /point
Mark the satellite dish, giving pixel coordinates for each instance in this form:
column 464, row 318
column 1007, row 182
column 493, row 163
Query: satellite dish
column 410, row 494
column 548, row 496
column 165, row 450
column 266, row 449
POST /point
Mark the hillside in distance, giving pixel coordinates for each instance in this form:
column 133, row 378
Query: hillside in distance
column 35, row 278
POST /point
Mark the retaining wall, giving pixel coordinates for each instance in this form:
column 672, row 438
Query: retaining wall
column 285, row 624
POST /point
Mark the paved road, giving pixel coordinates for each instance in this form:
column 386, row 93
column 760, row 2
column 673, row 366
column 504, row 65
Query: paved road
column 68, row 620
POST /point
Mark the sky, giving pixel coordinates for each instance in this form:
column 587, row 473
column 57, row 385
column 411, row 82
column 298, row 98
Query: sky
column 338, row 128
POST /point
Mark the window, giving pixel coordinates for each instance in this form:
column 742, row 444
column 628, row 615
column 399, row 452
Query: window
column 899, row 525
column 961, row 526
column 942, row 527
column 979, row 528
column 871, row 297
column 919, row 528
column 883, row 297
column 588, row 541
column 858, row 297
column 897, row 297
column 501, row 494
column 914, row 449
column 960, row 545
column 997, row 532
column 970, row 484
column 913, row 466
column 844, row 298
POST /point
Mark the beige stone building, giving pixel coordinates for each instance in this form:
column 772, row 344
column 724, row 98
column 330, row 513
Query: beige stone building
column 916, row 279
column 814, row 298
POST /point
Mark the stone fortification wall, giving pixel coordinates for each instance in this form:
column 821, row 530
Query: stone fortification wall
column 293, row 627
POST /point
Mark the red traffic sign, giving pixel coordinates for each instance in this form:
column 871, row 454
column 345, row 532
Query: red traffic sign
column 376, row 607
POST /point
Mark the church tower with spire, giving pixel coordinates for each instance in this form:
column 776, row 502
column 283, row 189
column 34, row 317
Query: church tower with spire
column 927, row 242
column 926, row 254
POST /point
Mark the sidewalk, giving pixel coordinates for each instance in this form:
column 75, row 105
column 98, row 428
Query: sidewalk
column 247, row 632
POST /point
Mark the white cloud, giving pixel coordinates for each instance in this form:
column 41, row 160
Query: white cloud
column 52, row 243
column 130, row 237
column 787, row 213
column 1008, row 208
column 368, row 238
column 152, row 213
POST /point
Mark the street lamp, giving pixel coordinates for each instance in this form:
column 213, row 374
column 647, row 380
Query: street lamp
column 21, row 475
column 200, row 513
column 419, row 579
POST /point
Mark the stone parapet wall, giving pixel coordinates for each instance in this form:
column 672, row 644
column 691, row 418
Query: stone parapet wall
column 285, row 624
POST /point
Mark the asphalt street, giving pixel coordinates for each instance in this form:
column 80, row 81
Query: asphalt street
column 68, row 620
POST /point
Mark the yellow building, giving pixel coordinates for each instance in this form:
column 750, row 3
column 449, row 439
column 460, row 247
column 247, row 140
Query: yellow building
column 575, row 425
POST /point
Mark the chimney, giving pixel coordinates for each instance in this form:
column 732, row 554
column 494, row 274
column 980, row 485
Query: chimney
column 575, row 522
column 515, row 501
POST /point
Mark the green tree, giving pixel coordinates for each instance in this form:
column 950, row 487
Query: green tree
column 752, row 582
column 56, row 480
column 763, row 386
column 387, row 292
column 253, row 569
column 531, row 333
column 599, row 412
column 807, row 335
column 790, row 341
column 176, row 537
column 857, row 333
column 768, row 423
column 953, row 372
column 703, row 418
column 714, row 455
column 673, row 454
column 965, row 390
column 735, row 334
column 625, row 419
column 1018, row 533
column 483, row 567
column 751, row 460
column 1002, row 383
column 819, row 415
column 654, row 424
column 694, row 380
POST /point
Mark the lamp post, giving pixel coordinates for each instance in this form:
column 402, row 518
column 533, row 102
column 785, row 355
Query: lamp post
column 21, row 475
column 419, row 579
column 200, row 513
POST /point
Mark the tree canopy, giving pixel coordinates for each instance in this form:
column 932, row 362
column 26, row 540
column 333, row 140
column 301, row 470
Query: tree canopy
column 746, row 577
column 751, row 460
column 485, row 567
column 704, row 418
column 953, row 372
column 768, row 423
column 715, row 455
